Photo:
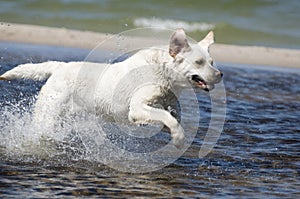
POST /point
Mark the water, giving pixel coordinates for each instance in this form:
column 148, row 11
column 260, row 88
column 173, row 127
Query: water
column 258, row 22
column 256, row 156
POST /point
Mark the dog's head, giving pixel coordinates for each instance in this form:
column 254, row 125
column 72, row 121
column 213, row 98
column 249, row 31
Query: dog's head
column 194, row 60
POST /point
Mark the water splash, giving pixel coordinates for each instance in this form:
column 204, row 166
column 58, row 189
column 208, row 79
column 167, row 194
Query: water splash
column 80, row 137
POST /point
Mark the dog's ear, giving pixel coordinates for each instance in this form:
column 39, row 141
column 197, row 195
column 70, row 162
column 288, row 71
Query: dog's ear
column 207, row 41
column 178, row 43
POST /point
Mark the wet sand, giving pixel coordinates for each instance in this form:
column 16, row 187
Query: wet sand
column 250, row 55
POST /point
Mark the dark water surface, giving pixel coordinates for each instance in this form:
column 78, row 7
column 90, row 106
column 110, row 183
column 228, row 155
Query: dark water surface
column 256, row 156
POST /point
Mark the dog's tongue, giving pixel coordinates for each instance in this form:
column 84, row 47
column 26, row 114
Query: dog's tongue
column 201, row 83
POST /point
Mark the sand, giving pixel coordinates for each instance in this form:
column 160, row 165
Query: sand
column 250, row 55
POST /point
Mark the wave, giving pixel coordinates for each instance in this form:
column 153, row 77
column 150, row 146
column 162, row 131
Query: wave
column 173, row 24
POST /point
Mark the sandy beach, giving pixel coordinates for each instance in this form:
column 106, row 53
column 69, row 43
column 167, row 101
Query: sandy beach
column 251, row 55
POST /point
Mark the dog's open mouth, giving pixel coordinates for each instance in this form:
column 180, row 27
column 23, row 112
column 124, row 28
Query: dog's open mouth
column 200, row 82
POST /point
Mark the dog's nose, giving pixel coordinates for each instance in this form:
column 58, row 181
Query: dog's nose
column 219, row 73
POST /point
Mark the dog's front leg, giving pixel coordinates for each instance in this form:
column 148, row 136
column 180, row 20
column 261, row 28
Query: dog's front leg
column 140, row 113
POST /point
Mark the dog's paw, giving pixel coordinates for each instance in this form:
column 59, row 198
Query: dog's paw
column 178, row 137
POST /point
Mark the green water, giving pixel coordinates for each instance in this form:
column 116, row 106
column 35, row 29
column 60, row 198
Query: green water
column 257, row 22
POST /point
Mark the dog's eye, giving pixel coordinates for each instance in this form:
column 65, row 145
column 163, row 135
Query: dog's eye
column 199, row 61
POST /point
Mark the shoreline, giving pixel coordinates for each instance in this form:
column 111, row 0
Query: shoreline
column 249, row 55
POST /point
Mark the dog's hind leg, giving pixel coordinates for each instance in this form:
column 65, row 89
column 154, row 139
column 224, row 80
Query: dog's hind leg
column 140, row 113
column 49, row 112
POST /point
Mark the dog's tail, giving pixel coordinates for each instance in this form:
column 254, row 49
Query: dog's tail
column 38, row 72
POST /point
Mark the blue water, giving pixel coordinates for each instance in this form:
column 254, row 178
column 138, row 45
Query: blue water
column 256, row 156
column 257, row 22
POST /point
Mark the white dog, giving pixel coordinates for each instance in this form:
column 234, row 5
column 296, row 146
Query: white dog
column 127, row 90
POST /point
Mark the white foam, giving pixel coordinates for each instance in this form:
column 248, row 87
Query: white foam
column 172, row 24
